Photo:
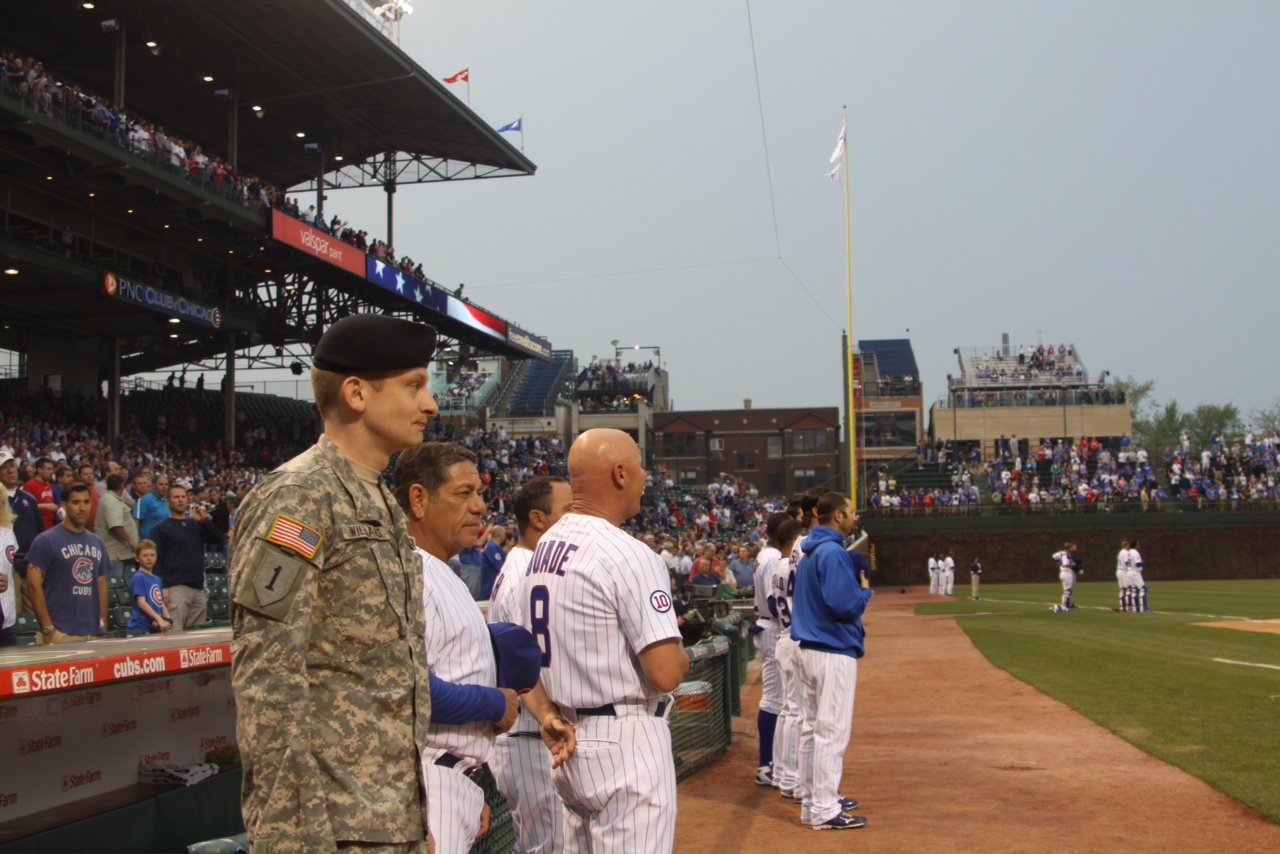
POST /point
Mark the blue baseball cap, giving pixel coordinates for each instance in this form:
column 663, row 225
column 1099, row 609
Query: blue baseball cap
column 519, row 658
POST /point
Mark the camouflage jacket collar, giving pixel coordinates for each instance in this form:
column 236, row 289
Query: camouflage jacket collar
column 366, row 510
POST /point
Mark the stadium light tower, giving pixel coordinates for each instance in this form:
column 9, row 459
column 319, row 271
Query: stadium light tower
column 618, row 351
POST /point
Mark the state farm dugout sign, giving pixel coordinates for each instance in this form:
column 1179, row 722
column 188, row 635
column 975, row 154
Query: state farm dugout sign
column 81, row 725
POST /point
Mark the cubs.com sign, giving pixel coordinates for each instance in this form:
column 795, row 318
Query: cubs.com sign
column 155, row 299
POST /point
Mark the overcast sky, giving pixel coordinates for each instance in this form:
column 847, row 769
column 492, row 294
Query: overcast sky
column 1103, row 173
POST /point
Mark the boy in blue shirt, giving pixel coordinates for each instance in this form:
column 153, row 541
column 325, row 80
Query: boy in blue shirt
column 149, row 611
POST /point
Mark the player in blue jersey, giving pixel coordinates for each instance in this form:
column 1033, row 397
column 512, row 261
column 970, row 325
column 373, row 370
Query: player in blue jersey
column 831, row 593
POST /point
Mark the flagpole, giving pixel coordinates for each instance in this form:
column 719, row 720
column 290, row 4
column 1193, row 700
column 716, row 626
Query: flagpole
column 522, row 133
column 848, row 268
column 468, row 67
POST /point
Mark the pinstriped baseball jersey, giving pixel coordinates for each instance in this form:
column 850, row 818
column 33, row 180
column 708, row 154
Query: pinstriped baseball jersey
column 796, row 554
column 782, row 584
column 595, row 597
column 458, row 651
column 504, row 603
column 521, row 764
column 504, row 607
column 766, row 562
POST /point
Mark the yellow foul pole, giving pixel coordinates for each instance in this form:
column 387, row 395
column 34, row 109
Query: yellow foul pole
column 848, row 267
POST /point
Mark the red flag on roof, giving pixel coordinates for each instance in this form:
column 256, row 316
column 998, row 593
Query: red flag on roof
column 461, row 77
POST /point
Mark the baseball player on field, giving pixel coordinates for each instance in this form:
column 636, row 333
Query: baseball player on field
column 786, row 746
column 935, row 570
column 767, row 623
column 1066, row 561
column 520, row 763
column 599, row 602
column 1122, row 576
column 947, row 584
column 439, row 487
column 831, row 594
column 1137, row 585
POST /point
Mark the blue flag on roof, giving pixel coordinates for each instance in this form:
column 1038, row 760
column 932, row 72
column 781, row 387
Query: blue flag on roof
column 514, row 126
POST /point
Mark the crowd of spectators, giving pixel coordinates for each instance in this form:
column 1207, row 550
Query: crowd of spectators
column 605, row 374
column 1036, row 396
column 27, row 79
column 610, row 403
column 1103, row 474
column 1225, row 474
column 348, row 234
column 987, row 372
column 891, row 386
column 462, row 386
column 1031, row 362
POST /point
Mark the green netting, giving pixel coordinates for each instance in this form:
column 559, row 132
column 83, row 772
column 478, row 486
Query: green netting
column 700, row 721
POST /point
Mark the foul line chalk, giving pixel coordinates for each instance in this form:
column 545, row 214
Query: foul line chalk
column 1247, row 664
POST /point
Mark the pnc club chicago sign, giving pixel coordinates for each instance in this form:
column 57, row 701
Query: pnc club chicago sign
column 118, row 287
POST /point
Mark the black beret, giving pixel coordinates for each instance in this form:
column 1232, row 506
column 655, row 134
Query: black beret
column 366, row 343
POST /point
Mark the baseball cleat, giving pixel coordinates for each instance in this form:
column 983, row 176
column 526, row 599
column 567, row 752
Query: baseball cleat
column 847, row 804
column 787, row 793
column 764, row 775
column 842, row 821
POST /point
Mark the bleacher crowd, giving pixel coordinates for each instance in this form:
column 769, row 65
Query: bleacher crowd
column 1094, row 474
column 605, row 374
column 462, row 386
column 610, row 403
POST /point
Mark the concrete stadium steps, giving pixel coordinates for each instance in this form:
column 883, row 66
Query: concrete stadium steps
column 502, row 400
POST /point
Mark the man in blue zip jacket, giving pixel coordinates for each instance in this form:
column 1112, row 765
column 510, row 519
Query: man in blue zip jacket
column 831, row 593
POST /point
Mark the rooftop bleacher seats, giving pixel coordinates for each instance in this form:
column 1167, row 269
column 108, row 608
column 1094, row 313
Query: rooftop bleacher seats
column 542, row 381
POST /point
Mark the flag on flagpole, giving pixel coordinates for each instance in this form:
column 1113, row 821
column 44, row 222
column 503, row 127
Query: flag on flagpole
column 463, row 76
column 839, row 152
column 515, row 127
column 834, row 175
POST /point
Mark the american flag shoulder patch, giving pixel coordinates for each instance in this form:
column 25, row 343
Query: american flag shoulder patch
column 295, row 536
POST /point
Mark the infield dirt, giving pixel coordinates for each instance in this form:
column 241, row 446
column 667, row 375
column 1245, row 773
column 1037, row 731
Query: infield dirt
column 949, row 753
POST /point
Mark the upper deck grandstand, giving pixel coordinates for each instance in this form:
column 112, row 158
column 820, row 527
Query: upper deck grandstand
column 148, row 215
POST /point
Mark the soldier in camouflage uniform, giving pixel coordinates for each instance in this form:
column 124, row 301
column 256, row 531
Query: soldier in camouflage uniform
column 328, row 658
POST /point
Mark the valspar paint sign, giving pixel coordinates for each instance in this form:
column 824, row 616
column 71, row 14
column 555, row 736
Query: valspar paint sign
column 315, row 242
column 118, row 287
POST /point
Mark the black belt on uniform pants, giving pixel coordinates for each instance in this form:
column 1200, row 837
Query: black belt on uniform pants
column 608, row 710
column 449, row 760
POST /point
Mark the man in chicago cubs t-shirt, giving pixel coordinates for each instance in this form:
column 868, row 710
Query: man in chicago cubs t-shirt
column 66, row 575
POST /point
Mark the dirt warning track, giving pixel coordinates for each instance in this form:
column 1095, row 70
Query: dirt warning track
column 950, row 753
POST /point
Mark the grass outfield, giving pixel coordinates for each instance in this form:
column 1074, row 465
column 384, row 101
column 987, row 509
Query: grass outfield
column 1151, row 678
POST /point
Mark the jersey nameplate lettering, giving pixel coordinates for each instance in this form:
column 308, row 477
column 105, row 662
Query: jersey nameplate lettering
column 551, row 556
